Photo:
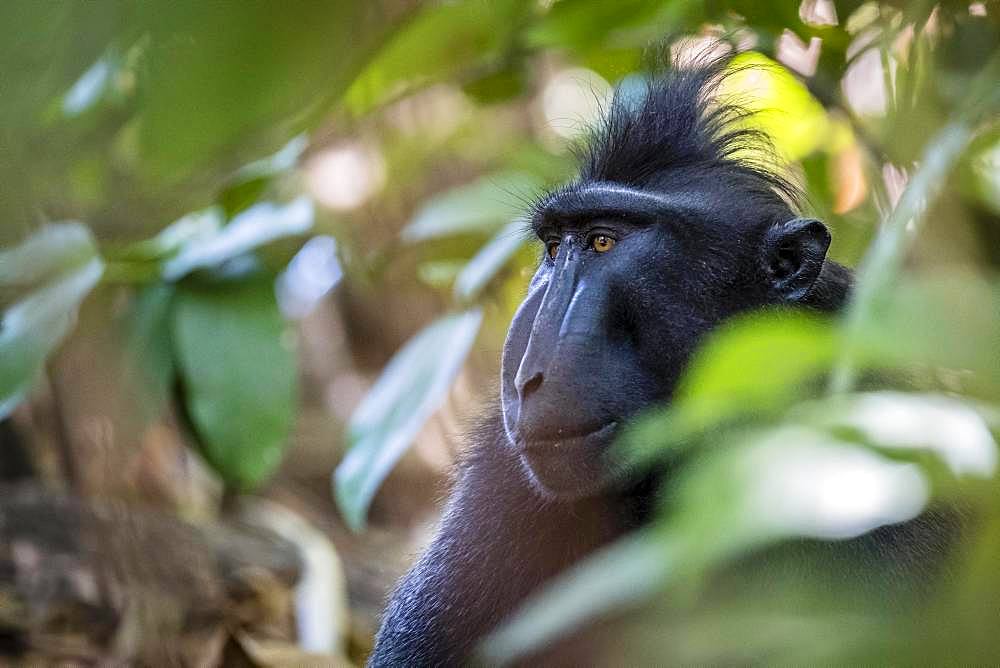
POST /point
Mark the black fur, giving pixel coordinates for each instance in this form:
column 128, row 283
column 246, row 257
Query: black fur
column 701, row 233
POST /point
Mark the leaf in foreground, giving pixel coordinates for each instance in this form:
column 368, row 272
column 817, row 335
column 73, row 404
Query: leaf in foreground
column 787, row 482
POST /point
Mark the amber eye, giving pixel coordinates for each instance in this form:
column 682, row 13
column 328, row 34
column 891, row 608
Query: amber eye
column 552, row 248
column 602, row 243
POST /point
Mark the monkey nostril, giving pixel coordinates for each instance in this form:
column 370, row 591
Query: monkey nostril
column 531, row 385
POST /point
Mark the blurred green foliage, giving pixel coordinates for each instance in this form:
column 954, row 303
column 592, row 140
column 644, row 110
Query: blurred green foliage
column 180, row 135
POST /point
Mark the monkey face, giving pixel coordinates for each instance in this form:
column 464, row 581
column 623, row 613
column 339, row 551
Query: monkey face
column 619, row 301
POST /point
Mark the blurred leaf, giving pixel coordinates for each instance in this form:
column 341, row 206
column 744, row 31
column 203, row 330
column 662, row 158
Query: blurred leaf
column 51, row 250
column 237, row 197
column 784, row 108
column 279, row 162
column 189, row 230
column 750, row 366
column 410, row 389
column 238, row 376
column 490, row 259
column 89, row 88
column 582, row 25
column 788, row 482
column 479, row 207
column 943, row 320
column 44, row 48
column 252, row 180
column 953, row 429
column 439, row 273
column 478, row 32
column 885, row 257
column 216, row 79
column 66, row 258
column 254, row 227
column 148, row 356
column 503, row 85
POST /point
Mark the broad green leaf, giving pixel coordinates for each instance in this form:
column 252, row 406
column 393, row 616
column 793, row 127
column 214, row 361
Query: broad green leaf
column 44, row 49
column 479, row 207
column 410, row 389
column 215, row 80
column 477, row 33
column 490, row 259
column 238, row 374
column 65, row 256
column 749, row 367
column 582, row 25
column 254, row 227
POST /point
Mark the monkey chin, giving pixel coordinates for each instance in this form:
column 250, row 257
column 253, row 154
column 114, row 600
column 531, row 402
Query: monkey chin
column 571, row 469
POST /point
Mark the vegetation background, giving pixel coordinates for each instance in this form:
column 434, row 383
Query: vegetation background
column 257, row 264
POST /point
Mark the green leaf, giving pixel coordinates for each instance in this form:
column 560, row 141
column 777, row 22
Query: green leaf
column 749, row 367
column 148, row 364
column 216, row 80
column 65, row 256
column 939, row 320
column 410, row 389
column 478, row 33
column 238, row 374
column 256, row 226
column 479, row 207
column 490, row 259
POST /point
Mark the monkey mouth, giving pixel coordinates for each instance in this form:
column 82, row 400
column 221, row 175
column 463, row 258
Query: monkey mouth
column 569, row 466
column 557, row 443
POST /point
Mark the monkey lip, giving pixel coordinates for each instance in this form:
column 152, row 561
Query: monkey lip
column 556, row 444
column 571, row 466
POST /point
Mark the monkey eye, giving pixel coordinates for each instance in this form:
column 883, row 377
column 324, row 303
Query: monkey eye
column 602, row 243
column 552, row 248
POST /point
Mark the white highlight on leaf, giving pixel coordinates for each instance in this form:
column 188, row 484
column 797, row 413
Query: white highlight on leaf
column 258, row 225
column 804, row 482
column 948, row 427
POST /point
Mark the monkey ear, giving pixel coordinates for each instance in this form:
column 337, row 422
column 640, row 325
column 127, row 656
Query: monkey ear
column 793, row 256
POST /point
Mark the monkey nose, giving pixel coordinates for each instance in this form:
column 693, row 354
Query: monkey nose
column 527, row 387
